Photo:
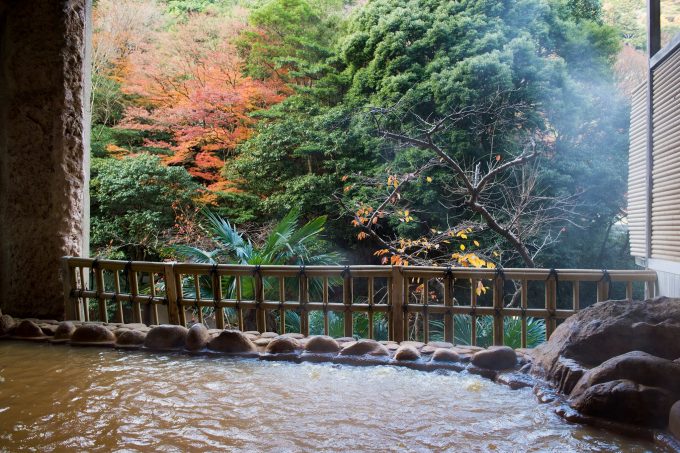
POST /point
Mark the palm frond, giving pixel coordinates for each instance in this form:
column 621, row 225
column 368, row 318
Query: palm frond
column 195, row 254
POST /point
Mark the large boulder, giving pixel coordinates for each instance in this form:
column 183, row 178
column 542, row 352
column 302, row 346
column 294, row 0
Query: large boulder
column 634, row 366
column 495, row 358
column 635, row 387
column 166, row 337
column 611, row 328
column 92, row 335
column 232, row 342
column 626, row 401
column 197, row 338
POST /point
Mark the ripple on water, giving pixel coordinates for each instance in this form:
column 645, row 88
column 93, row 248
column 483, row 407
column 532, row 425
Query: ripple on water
column 56, row 398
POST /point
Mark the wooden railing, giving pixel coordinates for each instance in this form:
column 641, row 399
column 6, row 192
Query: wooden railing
column 407, row 300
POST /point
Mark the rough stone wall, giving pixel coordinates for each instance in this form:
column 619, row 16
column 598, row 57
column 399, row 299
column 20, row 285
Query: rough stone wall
column 42, row 150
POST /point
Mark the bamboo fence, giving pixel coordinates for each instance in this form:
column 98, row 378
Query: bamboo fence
column 401, row 294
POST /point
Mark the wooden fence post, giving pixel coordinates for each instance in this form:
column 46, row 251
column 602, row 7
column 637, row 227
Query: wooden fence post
column 68, row 278
column 449, row 326
column 347, row 301
column 397, row 302
column 498, row 291
column 101, row 301
column 171, row 293
column 304, row 298
column 260, row 314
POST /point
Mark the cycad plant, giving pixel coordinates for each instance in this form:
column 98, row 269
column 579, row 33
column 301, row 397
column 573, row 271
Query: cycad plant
column 287, row 244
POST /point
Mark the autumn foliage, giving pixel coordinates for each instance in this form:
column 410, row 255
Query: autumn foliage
column 190, row 95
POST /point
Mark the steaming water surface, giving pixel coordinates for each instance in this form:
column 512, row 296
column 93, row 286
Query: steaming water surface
column 54, row 398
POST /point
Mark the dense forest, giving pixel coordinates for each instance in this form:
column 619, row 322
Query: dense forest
column 466, row 132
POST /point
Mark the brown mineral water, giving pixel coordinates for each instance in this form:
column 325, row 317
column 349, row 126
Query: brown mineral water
column 55, row 398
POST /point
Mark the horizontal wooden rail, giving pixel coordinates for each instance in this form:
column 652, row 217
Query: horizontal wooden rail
column 408, row 302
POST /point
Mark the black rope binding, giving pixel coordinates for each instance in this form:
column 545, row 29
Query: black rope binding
column 257, row 269
column 346, row 273
column 606, row 277
column 553, row 274
column 608, row 280
column 448, row 273
column 95, row 263
column 500, row 273
column 301, row 271
column 126, row 273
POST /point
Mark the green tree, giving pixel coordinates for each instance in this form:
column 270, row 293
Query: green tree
column 424, row 59
column 133, row 203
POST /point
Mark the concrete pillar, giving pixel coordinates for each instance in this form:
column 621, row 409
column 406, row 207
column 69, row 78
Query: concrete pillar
column 44, row 149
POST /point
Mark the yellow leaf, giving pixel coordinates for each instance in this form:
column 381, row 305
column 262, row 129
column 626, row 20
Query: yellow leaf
column 476, row 243
column 428, row 179
column 462, row 246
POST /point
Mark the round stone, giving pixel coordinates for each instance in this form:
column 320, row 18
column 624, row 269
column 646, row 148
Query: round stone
column 130, row 338
column 28, row 330
column 166, row 337
column 322, row 344
column 232, row 342
column 282, row 345
column 406, row 352
column 365, row 347
column 197, row 338
column 497, row 358
column 445, row 355
column 64, row 330
column 92, row 334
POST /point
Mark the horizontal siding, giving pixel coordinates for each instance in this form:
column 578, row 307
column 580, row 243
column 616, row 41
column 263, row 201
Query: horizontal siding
column 666, row 159
column 637, row 173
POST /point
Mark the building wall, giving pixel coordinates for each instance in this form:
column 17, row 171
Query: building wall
column 43, row 143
